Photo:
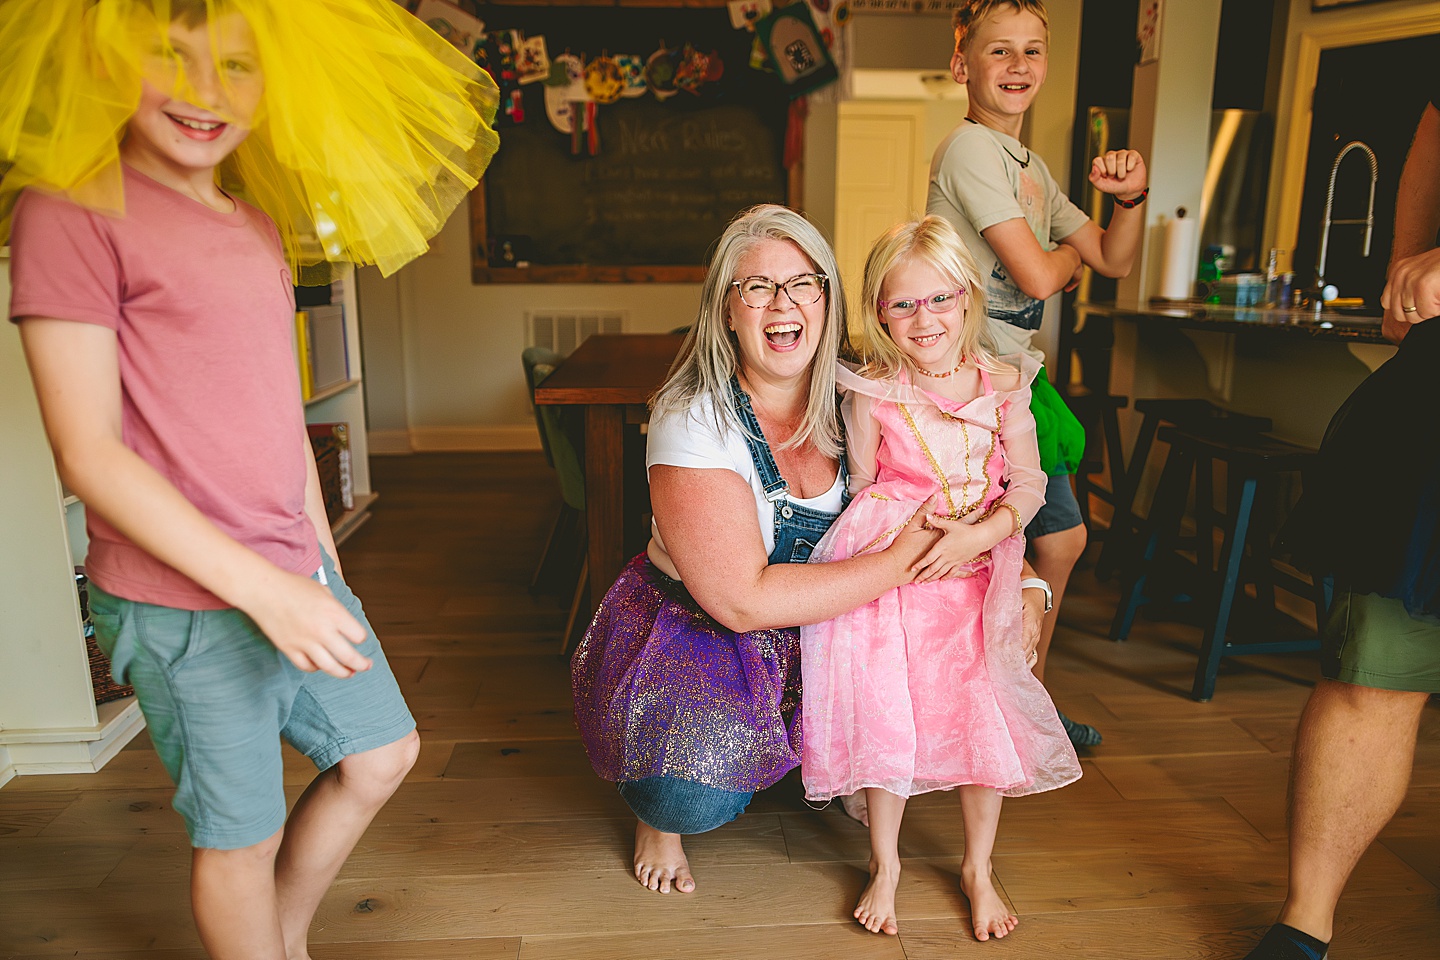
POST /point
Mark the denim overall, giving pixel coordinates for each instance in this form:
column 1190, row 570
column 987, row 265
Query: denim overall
column 675, row 805
column 797, row 527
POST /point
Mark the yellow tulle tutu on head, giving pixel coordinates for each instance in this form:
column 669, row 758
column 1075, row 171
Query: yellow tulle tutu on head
column 366, row 128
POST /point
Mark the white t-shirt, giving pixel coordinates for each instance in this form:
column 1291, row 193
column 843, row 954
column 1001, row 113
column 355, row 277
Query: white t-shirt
column 980, row 177
column 691, row 440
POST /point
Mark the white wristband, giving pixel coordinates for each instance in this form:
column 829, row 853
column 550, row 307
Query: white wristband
column 1039, row 584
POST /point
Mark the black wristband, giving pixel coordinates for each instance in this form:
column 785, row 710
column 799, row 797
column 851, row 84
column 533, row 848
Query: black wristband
column 1132, row 204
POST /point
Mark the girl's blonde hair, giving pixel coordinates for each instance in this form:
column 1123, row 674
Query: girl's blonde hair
column 969, row 16
column 934, row 241
column 710, row 355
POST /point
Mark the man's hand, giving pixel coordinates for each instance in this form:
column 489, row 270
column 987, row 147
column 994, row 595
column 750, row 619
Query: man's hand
column 1120, row 173
column 1412, row 293
column 309, row 626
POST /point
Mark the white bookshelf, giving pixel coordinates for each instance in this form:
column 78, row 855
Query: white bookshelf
column 49, row 722
column 345, row 403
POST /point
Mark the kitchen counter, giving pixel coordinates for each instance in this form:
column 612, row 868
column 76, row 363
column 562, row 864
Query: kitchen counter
column 1343, row 325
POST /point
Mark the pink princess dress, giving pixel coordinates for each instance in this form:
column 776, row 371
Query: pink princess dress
column 926, row 688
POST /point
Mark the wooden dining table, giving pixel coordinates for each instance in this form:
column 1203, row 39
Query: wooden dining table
column 611, row 375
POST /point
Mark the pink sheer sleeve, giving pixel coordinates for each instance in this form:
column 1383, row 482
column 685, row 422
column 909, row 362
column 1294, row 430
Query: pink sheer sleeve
column 1025, row 481
column 862, row 439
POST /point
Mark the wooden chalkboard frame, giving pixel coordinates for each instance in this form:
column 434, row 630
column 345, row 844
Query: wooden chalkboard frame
column 482, row 272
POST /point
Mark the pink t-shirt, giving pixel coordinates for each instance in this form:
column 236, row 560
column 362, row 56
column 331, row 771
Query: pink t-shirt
column 202, row 305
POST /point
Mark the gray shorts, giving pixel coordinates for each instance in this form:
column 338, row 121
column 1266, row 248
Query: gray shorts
column 1060, row 512
column 218, row 697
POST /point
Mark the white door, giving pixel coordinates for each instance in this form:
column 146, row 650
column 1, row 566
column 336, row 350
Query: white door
column 881, row 173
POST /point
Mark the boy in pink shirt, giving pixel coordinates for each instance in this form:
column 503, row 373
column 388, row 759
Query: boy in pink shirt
column 160, row 344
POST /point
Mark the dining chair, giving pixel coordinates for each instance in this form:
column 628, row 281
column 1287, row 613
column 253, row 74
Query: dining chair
column 562, row 438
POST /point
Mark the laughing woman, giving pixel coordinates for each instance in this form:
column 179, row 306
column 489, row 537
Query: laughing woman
column 687, row 684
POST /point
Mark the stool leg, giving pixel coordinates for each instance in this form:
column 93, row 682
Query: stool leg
column 1122, row 519
column 1114, row 452
column 1205, row 518
column 1213, row 647
column 1164, row 520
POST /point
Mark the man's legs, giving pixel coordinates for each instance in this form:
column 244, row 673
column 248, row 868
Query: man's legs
column 1349, row 773
column 256, row 903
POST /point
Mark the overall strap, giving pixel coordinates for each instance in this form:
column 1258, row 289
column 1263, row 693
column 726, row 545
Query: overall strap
column 771, row 481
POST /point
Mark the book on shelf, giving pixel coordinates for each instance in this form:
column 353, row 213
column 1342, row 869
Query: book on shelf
column 321, row 349
column 302, row 354
column 331, row 442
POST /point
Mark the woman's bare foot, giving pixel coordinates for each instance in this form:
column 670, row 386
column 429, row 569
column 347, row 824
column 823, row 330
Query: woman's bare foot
column 988, row 912
column 876, row 909
column 660, row 860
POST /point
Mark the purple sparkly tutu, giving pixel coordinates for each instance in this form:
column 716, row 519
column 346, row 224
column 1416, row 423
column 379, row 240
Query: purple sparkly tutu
column 661, row 689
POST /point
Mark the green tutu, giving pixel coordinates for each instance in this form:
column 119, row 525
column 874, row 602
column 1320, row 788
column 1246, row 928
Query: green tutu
column 1061, row 437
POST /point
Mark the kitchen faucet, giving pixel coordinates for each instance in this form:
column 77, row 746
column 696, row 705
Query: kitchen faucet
column 1326, row 223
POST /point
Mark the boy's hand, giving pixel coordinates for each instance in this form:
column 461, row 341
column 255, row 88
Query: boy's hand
column 1120, row 173
column 311, row 627
column 961, row 543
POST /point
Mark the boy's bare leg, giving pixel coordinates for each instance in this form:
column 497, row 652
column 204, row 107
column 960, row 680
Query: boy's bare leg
column 660, row 860
column 980, row 811
column 256, row 903
column 1054, row 557
column 876, row 909
column 324, row 827
column 1351, row 767
column 233, row 895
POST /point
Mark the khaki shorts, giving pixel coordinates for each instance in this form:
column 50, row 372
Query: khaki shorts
column 1372, row 641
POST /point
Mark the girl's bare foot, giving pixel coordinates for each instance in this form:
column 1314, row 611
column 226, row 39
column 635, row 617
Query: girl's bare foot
column 660, row 860
column 988, row 912
column 876, row 909
column 856, row 807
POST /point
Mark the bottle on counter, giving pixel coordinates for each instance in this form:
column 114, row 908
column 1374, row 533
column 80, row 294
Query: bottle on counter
column 1209, row 275
column 1273, row 296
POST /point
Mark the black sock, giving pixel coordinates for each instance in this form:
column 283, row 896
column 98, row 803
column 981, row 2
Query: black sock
column 1283, row 942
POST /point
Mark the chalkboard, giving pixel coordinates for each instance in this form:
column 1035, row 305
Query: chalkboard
column 667, row 176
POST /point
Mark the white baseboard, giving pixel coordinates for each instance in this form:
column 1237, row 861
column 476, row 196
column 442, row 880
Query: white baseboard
column 383, row 442
column 488, row 439
column 7, row 769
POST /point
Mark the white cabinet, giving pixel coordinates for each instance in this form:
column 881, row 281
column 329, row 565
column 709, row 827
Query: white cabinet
column 49, row 722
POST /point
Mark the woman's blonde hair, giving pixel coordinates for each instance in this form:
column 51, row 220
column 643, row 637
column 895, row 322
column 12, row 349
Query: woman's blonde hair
column 710, row 355
column 934, row 241
column 969, row 16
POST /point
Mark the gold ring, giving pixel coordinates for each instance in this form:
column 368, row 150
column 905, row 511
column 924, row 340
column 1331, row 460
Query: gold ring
column 1409, row 309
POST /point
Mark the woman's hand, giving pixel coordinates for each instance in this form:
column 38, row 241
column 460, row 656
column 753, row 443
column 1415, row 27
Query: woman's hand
column 911, row 544
column 1120, row 173
column 1032, row 616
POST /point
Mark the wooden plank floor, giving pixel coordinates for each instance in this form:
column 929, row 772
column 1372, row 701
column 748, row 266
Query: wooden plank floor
column 502, row 843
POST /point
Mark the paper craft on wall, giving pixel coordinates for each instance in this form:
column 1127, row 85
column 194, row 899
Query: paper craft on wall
column 800, row 56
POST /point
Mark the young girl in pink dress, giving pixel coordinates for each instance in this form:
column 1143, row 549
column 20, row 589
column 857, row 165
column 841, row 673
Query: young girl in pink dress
column 929, row 687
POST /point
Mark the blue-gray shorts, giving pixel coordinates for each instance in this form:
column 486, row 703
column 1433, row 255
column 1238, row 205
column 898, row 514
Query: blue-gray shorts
column 218, row 697
column 1060, row 512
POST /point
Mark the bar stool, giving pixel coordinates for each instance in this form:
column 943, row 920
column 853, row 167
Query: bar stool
column 1253, row 465
column 1097, row 413
column 1200, row 416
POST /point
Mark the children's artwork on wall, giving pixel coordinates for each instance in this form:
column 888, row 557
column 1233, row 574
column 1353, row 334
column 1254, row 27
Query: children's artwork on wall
column 532, row 62
column 464, row 32
column 744, row 14
column 1148, row 33
column 565, row 87
column 632, row 68
column 603, row 80
column 796, row 49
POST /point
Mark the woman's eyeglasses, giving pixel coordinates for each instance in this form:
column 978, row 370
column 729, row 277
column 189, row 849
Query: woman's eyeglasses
column 760, row 292
column 902, row 308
